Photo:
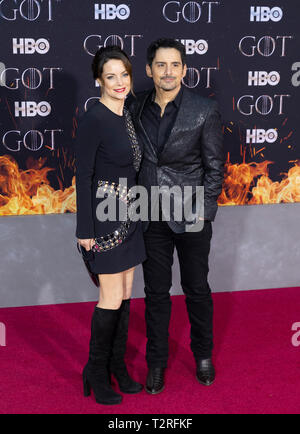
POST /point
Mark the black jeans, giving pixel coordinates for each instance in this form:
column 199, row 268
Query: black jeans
column 193, row 251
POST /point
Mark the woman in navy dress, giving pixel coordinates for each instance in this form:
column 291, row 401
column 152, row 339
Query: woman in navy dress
column 107, row 161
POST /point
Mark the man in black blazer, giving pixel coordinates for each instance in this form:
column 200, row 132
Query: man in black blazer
column 181, row 136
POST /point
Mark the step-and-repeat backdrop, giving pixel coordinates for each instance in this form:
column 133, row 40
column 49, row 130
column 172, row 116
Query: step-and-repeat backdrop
column 245, row 54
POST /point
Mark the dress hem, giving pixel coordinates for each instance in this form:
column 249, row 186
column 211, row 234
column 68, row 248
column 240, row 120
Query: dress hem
column 124, row 268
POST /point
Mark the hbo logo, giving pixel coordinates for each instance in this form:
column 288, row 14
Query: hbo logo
column 261, row 136
column 264, row 13
column 192, row 47
column 30, row 46
column 262, row 78
column 32, row 109
column 111, row 12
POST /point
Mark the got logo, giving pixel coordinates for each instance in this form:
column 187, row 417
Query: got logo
column 29, row 10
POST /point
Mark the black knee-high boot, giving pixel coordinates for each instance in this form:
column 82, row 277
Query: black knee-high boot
column 95, row 373
column 117, row 363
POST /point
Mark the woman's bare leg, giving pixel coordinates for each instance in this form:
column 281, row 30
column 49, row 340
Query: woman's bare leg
column 128, row 277
column 111, row 291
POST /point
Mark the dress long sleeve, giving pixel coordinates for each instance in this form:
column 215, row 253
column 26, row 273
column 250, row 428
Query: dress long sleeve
column 86, row 146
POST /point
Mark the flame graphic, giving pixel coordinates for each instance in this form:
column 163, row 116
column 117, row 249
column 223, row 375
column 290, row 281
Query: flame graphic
column 29, row 191
column 249, row 184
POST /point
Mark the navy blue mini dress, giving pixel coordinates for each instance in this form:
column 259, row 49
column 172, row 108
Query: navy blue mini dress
column 107, row 160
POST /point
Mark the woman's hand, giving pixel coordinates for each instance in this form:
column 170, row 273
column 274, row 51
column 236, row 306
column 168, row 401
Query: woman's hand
column 87, row 243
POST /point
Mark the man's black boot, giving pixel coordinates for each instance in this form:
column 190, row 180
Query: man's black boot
column 205, row 372
column 155, row 381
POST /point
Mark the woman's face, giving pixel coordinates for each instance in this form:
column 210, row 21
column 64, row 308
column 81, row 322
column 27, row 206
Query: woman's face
column 115, row 81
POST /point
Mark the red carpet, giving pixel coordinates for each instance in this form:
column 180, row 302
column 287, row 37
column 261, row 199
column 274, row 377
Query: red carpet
column 257, row 365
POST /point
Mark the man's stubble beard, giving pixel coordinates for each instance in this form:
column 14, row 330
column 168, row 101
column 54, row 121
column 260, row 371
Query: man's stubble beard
column 168, row 89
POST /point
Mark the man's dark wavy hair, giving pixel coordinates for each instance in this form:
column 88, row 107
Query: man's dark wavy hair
column 165, row 43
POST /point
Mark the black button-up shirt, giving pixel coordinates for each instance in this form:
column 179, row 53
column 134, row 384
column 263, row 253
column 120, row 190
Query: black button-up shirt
column 157, row 127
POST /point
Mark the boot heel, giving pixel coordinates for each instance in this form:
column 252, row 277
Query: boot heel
column 86, row 387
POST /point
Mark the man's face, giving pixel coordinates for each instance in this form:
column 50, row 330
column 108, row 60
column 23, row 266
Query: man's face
column 167, row 69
